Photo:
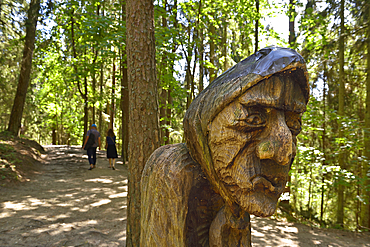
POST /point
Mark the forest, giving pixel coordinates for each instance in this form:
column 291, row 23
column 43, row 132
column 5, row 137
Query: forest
column 71, row 58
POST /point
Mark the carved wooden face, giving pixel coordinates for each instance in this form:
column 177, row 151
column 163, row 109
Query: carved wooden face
column 253, row 143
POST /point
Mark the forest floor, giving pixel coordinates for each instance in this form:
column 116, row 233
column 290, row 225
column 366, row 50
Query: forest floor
column 61, row 203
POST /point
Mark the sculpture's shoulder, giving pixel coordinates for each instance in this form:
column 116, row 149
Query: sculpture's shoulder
column 170, row 161
column 168, row 177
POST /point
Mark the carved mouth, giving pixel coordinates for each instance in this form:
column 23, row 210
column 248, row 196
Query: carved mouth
column 261, row 183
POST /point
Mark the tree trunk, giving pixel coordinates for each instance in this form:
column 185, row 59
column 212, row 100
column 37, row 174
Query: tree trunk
column 168, row 120
column 169, row 96
column 323, row 145
column 54, row 132
column 86, row 112
column 101, row 96
column 224, row 43
column 112, row 107
column 291, row 15
column 93, row 74
column 26, row 64
column 212, row 55
column 200, row 51
column 100, row 127
column 144, row 119
column 187, row 86
column 256, row 24
column 365, row 210
column 340, row 205
column 125, row 112
column 163, row 92
column 162, row 113
column 201, row 62
column 124, row 96
column 95, row 51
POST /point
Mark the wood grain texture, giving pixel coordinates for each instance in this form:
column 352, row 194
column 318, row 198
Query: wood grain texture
column 253, row 141
column 178, row 204
column 240, row 137
column 143, row 114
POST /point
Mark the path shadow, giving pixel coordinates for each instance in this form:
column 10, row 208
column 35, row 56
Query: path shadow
column 269, row 232
column 66, row 204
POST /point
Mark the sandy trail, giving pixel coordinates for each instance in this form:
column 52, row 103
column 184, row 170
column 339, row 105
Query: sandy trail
column 268, row 232
column 68, row 205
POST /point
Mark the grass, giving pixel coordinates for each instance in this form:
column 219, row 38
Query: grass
column 16, row 157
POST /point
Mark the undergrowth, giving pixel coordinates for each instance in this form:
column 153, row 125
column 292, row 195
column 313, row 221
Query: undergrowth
column 16, row 157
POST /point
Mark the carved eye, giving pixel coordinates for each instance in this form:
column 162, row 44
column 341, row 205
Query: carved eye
column 253, row 118
column 293, row 121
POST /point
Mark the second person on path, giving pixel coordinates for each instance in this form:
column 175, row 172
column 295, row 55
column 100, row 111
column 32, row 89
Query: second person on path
column 111, row 148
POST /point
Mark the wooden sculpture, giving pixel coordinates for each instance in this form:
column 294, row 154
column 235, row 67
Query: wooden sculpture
column 240, row 137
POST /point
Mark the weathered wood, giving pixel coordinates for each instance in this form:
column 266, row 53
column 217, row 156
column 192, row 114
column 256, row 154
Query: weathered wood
column 240, row 137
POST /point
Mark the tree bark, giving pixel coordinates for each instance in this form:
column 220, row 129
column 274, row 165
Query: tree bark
column 112, row 107
column 101, row 96
column 224, row 43
column 212, row 55
column 124, row 96
column 340, row 205
column 200, row 50
column 291, row 15
column 365, row 210
column 54, row 132
column 163, row 91
column 201, row 62
column 100, row 127
column 86, row 111
column 256, row 24
column 169, row 96
column 168, row 120
column 323, row 144
column 93, row 74
column 125, row 112
column 26, row 65
column 144, row 119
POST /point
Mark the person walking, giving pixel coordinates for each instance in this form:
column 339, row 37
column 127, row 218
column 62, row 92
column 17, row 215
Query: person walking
column 111, row 148
column 91, row 145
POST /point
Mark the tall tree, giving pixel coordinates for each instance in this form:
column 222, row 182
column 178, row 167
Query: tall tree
column 212, row 53
column 144, row 120
column 256, row 25
column 340, row 205
column 365, row 171
column 124, row 93
column 112, row 104
column 24, row 76
column 200, row 47
column 291, row 15
column 162, row 73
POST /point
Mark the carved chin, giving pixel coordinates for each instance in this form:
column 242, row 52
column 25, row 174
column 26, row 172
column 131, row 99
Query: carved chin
column 261, row 198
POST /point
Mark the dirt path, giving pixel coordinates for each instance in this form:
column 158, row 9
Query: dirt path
column 67, row 205
column 271, row 233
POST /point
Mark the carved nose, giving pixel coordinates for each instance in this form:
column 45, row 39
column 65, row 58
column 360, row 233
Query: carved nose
column 278, row 146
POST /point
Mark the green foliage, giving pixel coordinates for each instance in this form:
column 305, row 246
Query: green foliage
column 80, row 40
